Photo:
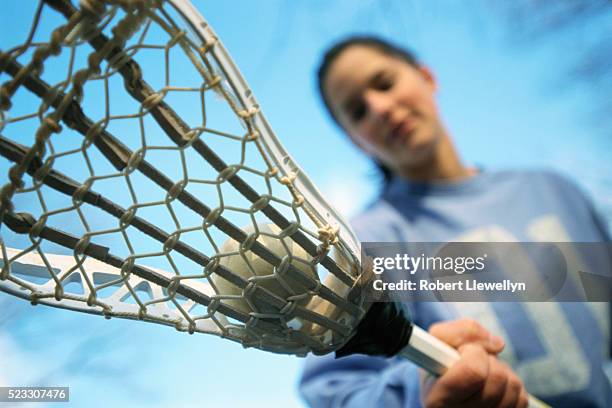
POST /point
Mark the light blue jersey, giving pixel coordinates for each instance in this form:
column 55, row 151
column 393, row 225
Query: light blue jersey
column 558, row 349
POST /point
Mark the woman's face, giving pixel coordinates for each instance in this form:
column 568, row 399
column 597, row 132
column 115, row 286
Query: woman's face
column 386, row 105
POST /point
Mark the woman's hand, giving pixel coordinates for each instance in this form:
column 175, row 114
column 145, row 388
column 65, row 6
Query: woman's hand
column 478, row 379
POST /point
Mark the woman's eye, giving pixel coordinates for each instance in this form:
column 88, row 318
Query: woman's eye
column 384, row 83
column 358, row 112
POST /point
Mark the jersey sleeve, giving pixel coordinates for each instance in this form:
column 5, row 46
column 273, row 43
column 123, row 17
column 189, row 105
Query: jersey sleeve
column 569, row 185
column 359, row 381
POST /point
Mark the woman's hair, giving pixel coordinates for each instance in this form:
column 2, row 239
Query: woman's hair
column 376, row 43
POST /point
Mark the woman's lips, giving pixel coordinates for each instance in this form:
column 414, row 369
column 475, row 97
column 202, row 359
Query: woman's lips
column 402, row 130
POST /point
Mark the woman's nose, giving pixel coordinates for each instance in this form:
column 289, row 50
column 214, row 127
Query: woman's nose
column 379, row 103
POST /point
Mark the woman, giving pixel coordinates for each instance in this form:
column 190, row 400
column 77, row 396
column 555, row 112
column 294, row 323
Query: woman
column 385, row 101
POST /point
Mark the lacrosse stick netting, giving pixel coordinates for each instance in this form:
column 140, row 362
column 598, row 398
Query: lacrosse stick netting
column 141, row 180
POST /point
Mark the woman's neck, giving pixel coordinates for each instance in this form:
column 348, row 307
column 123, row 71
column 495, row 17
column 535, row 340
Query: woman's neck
column 444, row 164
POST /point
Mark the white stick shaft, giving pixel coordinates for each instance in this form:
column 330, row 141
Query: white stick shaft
column 435, row 356
column 429, row 352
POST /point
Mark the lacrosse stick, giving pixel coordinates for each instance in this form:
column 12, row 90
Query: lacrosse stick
column 143, row 182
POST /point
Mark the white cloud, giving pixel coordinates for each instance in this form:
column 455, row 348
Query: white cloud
column 348, row 193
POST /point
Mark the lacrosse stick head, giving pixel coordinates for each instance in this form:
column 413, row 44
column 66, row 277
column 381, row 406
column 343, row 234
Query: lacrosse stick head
column 141, row 180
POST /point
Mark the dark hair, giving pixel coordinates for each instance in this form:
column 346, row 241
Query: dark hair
column 376, row 43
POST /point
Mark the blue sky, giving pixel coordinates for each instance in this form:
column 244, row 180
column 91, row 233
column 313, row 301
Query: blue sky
column 506, row 106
